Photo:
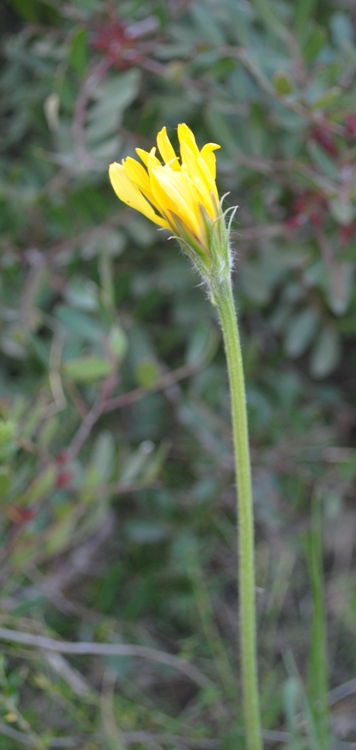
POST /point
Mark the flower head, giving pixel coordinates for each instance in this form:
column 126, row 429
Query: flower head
column 179, row 195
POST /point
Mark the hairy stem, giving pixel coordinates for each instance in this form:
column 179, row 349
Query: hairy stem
column 221, row 292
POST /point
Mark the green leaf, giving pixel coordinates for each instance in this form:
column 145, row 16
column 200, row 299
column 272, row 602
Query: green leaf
column 342, row 29
column 82, row 293
column 313, row 42
column 207, row 24
column 304, row 10
column 349, row 253
column 7, row 439
column 60, row 535
column 326, row 353
column 147, row 373
column 36, row 11
column 103, row 455
column 202, row 344
column 292, row 698
column 301, row 330
column 269, row 16
column 137, row 462
column 147, row 532
column 117, row 342
column 77, row 55
column 323, row 161
column 240, row 16
column 327, row 98
column 49, row 431
column 40, row 487
column 342, row 210
column 25, row 9
column 282, row 83
column 154, row 466
column 79, row 324
column 87, row 369
column 5, row 482
column 111, row 99
column 340, row 285
column 40, row 349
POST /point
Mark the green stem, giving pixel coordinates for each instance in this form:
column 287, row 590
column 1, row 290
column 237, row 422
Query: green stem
column 318, row 679
column 222, row 297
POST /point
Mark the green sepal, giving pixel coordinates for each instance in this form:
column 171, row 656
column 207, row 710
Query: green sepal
column 212, row 261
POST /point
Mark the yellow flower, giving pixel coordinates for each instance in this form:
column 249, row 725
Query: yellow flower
column 180, row 194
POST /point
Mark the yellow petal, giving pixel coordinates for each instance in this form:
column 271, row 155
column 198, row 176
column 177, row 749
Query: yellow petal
column 167, row 151
column 200, row 191
column 129, row 193
column 209, row 157
column 208, row 178
column 146, row 155
column 136, row 173
column 139, row 176
column 201, row 176
column 173, row 194
column 185, row 135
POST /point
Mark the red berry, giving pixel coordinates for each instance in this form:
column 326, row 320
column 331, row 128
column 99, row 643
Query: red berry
column 325, row 140
column 19, row 515
column 300, row 204
column 347, row 233
column 63, row 479
column 26, row 514
column 62, row 458
column 113, row 40
column 295, row 221
column 350, row 125
column 317, row 220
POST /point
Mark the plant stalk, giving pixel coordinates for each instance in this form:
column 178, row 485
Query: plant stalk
column 318, row 678
column 222, row 297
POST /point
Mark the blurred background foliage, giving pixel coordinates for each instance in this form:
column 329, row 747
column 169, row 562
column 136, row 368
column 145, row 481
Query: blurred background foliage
column 116, row 473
